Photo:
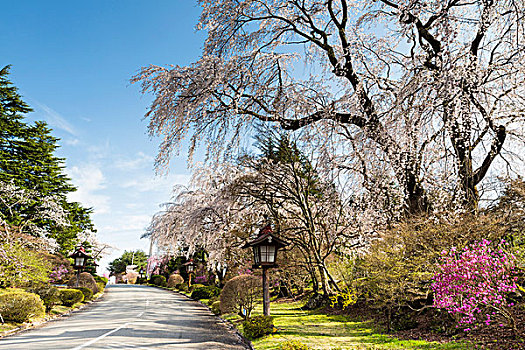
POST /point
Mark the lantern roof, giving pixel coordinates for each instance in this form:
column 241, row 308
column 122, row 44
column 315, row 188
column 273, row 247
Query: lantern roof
column 266, row 235
column 80, row 252
column 190, row 262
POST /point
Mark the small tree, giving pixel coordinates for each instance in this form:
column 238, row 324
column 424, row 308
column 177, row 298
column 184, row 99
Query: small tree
column 241, row 293
column 473, row 284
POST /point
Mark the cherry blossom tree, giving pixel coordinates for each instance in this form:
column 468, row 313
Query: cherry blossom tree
column 430, row 89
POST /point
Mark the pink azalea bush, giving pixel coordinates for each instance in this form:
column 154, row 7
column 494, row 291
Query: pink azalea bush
column 473, row 284
column 58, row 273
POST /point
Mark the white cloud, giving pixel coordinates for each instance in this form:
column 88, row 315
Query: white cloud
column 56, row 120
column 89, row 179
column 71, row 142
column 159, row 184
column 141, row 161
column 127, row 223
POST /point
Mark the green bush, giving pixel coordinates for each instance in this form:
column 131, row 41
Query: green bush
column 69, row 297
column 142, row 280
column 183, row 287
column 101, row 286
column 256, row 327
column 20, row 306
column 88, row 293
column 158, row 280
column 206, row 292
column 48, row 294
column 195, row 286
column 293, row 345
column 101, row 279
column 215, row 307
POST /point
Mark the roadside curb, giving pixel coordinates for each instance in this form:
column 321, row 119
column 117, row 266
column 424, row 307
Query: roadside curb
column 245, row 342
column 47, row 319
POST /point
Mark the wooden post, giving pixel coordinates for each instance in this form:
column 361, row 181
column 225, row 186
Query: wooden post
column 266, row 292
column 78, row 277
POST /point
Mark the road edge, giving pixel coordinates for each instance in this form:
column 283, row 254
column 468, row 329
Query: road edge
column 41, row 323
column 244, row 341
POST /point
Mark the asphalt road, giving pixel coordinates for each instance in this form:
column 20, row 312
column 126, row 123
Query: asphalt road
column 131, row 317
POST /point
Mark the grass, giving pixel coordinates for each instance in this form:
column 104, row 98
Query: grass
column 324, row 332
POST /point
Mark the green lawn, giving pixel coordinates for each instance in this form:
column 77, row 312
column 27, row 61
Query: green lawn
column 320, row 331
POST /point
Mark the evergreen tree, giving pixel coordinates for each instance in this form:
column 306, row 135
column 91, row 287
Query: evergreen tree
column 28, row 160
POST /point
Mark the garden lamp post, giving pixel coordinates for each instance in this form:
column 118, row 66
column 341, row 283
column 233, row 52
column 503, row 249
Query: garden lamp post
column 265, row 248
column 79, row 260
column 190, row 266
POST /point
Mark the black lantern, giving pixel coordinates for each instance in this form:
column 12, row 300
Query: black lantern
column 265, row 248
column 79, row 260
column 190, row 266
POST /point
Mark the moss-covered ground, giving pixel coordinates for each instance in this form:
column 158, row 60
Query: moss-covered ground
column 322, row 332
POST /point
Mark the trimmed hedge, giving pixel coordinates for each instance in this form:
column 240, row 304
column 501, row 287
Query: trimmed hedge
column 20, row 306
column 206, row 292
column 69, row 297
column 158, row 280
column 101, row 286
column 88, row 294
column 48, row 295
column 215, row 307
column 256, row 327
column 101, row 279
column 183, row 287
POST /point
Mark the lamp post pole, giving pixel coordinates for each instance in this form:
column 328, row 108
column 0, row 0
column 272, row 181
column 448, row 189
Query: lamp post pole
column 265, row 247
column 266, row 292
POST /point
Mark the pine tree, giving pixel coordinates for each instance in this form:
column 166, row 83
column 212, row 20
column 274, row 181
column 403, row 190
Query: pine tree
column 28, row 160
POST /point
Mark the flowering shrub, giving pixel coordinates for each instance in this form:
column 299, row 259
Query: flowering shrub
column 58, row 274
column 345, row 298
column 472, row 284
column 201, row 279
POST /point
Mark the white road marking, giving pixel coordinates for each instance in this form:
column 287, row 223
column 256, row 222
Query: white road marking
column 92, row 341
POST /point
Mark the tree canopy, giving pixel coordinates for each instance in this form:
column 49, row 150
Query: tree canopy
column 421, row 95
column 33, row 185
column 137, row 257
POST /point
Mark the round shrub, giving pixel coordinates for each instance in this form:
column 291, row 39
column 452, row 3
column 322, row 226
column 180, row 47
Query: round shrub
column 48, row 294
column 20, row 306
column 206, row 292
column 174, row 280
column 196, row 285
column 101, row 279
column 88, row 294
column 101, row 286
column 183, row 287
column 257, row 326
column 85, row 280
column 240, row 293
column 293, row 345
column 69, row 297
column 215, row 307
column 158, row 280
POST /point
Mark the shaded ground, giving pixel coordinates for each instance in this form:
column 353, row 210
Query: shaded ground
column 132, row 317
column 437, row 327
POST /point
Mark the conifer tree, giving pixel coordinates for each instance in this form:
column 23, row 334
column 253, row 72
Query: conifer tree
column 28, row 161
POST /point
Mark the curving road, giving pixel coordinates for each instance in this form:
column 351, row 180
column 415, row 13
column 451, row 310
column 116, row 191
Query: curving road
column 132, row 317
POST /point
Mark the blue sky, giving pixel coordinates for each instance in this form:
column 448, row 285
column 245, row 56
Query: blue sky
column 72, row 62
